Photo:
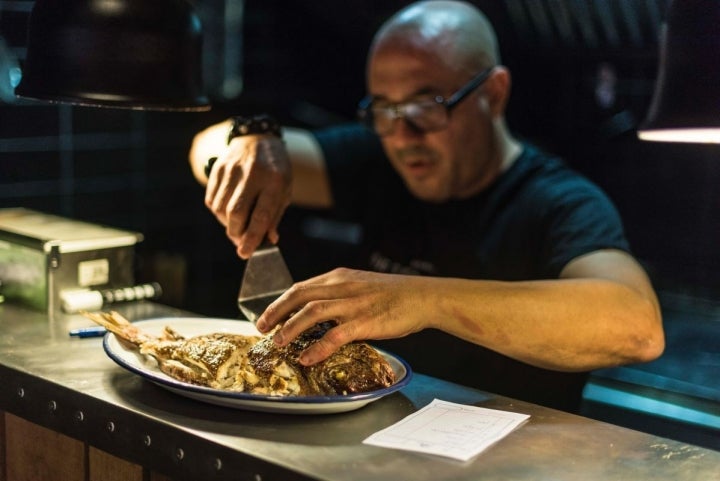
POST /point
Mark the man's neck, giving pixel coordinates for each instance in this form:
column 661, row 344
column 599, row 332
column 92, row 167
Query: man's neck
column 510, row 150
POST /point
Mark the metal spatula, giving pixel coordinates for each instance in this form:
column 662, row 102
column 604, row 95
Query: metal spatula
column 266, row 277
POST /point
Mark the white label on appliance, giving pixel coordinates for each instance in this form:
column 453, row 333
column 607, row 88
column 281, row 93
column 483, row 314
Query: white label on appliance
column 92, row 273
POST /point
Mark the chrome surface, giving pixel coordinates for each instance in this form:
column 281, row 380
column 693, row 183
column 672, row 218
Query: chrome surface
column 265, row 278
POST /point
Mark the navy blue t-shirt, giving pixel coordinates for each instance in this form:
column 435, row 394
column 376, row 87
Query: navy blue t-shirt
column 527, row 225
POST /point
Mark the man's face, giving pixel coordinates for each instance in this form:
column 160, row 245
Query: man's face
column 453, row 162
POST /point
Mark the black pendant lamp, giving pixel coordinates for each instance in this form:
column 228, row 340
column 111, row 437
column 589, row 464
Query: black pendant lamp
column 686, row 103
column 137, row 54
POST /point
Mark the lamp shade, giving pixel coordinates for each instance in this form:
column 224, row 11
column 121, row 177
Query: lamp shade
column 139, row 54
column 686, row 102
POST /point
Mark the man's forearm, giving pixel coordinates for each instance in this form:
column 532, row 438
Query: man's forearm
column 566, row 324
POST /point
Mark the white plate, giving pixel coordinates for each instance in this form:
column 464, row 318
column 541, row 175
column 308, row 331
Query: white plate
column 132, row 360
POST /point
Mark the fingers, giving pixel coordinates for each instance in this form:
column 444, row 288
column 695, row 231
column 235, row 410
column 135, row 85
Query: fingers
column 314, row 313
column 220, row 187
column 293, row 300
column 309, row 315
column 324, row 347
column 363, row 305
column 248, row 191
column 265, row 214
column 317, row 300
column 273, row 234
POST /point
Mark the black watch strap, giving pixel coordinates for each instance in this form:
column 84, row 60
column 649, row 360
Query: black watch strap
column 258, row 124
column 255, row 125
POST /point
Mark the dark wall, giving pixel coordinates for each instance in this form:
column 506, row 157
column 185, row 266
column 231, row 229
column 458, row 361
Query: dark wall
column 304, row 62
column 665, row 192
column 560, row 53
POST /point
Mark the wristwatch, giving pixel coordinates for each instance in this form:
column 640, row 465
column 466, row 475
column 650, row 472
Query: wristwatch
column 258, row 124
column 255, row 125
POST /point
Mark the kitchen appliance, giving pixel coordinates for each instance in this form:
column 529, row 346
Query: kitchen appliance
column 44, row 255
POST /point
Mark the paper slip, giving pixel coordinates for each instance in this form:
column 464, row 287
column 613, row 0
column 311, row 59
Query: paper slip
column 448, row 429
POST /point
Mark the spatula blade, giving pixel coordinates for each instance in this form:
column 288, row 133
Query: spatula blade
column 266, row 277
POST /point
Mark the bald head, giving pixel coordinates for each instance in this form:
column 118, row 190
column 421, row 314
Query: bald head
column 455, row 31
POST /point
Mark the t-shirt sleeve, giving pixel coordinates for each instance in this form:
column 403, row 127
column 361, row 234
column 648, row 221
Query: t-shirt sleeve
column 352, row 154
column 583, row 219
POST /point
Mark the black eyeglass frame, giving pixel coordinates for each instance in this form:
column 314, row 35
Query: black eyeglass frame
column 365, row 105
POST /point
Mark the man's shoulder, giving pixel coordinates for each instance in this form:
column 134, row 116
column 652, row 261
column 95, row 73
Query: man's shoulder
column 549, row 171
column 541, row 161
column 542, row 182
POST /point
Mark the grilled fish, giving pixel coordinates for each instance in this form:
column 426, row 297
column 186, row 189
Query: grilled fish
column 254, row 364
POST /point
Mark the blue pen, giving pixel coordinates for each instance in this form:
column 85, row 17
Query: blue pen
column 83, row 332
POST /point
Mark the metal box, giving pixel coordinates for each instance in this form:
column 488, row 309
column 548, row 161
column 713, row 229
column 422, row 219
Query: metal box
column 42, row 254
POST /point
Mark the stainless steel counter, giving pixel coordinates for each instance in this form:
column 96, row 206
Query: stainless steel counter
column 676, row 395
column 71, row 386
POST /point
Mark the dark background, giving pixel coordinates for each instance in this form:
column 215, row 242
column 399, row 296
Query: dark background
column 304, row 63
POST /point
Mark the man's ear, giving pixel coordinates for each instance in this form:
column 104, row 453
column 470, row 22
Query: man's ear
column 497, row 90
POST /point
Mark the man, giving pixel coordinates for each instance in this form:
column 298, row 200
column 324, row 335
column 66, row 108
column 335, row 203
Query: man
column 526, row 281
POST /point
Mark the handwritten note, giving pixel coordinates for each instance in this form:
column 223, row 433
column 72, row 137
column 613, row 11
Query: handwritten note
column 448, row 429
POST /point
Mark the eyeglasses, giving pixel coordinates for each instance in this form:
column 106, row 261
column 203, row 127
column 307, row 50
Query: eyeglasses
column 425, row 115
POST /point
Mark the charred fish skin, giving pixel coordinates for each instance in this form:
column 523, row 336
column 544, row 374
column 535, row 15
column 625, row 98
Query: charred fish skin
column 254, row 364
column 270, row 361
column 266, row 358
column 354, row 368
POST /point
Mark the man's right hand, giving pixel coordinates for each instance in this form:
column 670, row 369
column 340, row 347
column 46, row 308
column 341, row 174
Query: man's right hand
column 249, row 188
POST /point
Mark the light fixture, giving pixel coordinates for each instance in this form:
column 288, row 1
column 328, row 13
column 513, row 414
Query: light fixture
column 686, row 104
column 137, row 54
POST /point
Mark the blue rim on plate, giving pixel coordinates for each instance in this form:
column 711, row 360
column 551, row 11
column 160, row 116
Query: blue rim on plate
column 135, row 362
